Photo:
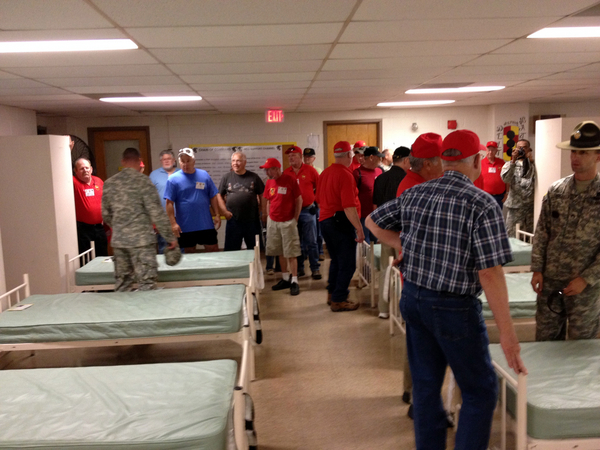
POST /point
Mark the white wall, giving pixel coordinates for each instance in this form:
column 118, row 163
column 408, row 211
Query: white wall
column 2, row 276
column 17, row 121
column 38, row 210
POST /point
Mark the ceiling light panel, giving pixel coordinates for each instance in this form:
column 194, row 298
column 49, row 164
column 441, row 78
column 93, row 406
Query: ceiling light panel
column 189, row 98
column 460, row 90
column 66, row 46
column 416, row 103
column 566, row 32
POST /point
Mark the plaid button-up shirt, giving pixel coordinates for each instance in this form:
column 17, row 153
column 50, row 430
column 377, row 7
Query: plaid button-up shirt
column 449, row 230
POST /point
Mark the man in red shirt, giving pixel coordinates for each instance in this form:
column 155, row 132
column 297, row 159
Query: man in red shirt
column 365, row 181
column 359, row 157
column 491, row 167
column 307, row 177
column 88, row 208
column 340, row 223
column 425, row 161
column 284, row 202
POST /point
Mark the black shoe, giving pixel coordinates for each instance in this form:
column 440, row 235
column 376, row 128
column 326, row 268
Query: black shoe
column 410, row 412
column 406, row 397
column 301, row 273
column 283, row 284
column 316, row 275
column 294, row 289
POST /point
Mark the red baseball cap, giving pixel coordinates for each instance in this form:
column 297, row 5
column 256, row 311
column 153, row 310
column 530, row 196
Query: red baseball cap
column 492, row 144
column 271, row 162
column 428, row 145
column 293, row 149
column 359, row 144
column 342, row 147
column 464, row 141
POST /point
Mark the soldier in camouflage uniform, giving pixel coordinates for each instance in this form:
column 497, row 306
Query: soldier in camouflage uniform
column 566, row 248
column 130, row 205
column 519, row 174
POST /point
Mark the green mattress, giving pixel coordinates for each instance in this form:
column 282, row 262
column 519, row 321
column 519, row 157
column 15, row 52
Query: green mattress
column 563, row 388
column 152, row 406
column 521, row 298
column 192, row 267
column 377, row 256
column 121, row 315
column 521, row 253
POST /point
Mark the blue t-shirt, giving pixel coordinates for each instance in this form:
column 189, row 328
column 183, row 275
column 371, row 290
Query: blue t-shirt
column 191, row 194
column 159, row 178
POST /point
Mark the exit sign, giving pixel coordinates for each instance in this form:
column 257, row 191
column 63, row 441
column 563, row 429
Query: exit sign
column 274, row 116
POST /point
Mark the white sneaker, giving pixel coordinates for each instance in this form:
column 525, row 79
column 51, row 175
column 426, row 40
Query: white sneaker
column 383, row 315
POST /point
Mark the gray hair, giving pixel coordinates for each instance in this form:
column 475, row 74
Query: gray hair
column 416, row 164
column 239, row 153
column 341, row 155
column 166, row 152
column 454, row 152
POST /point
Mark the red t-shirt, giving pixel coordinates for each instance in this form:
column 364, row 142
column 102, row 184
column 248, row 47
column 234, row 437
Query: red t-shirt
column 307, row 178
column 336, row 190
column 282, row 194
column 365, row 181
column 88, row 200
column 492, row 182
column 411, row 179
column 479, row 182
column 354, row 164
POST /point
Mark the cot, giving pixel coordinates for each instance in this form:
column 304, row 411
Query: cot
column 557, row 405
column 86, row 272
column 521, row 247
column 169, row 406
column 368, row 266
column 80, row 320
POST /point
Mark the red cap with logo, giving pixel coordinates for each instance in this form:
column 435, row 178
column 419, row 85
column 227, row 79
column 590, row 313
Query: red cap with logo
column 293, row 149
column 428, row 145
column 465, row 141
column 342, row 147
column 492, row 144
column 271, row 162
column 360, row 144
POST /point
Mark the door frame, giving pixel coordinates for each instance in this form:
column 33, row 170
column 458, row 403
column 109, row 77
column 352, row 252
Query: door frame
column 378, row 122
column 100, row 160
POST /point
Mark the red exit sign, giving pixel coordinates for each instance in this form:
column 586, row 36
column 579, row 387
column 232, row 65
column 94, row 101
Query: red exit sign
column 274, row 116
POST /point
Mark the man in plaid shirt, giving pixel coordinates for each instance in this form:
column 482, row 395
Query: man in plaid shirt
column 453, row 242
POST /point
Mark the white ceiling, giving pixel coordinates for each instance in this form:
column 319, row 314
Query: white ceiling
column 297, row 55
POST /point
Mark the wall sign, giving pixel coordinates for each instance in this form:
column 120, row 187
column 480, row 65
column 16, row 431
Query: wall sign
column 274, row 116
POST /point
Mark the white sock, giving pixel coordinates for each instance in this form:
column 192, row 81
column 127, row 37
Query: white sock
column 295, row 280
column 285, row 276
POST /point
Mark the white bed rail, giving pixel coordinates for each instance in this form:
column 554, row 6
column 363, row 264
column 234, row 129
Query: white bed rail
column 365, row 264
column 14, row 296
column 520, row 384
column 522, row 235
column 72, row 264
column 394, row 295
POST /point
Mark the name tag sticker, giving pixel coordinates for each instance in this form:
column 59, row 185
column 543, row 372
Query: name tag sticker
column 89, row 193
column 200, row 185
column 282, row 190
column 492, row 170
column 20, row 307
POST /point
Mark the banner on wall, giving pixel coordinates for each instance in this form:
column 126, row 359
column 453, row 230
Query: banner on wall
column 216, row 160
column 509, row 133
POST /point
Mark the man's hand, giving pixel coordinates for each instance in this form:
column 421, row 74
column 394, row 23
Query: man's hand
column 217, row 221
column 512, row 352
column 172, row 245
column 228, row 214
column 537, row 282
column 398, row 259
column 575, row 287
column 176, row 230
column 360, row 235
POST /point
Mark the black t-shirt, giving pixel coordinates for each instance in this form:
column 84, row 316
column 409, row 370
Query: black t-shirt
column 387, row 184
column 241, row 192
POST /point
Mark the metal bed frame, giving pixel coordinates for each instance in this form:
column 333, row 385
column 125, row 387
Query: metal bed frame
column 524, row 236
column 368, row 275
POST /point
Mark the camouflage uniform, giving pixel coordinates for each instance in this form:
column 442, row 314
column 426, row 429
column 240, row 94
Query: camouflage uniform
column 130, row 205
column 519, row 203
column 567, row 246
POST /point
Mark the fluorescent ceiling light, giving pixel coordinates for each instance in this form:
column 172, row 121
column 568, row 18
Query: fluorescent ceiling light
column 421, row 103
column 180, row 98
column 567, row 32
column 67, row 46
column 455, row 90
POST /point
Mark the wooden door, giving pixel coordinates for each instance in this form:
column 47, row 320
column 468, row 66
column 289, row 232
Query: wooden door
column 108, row 145
column 351, row 131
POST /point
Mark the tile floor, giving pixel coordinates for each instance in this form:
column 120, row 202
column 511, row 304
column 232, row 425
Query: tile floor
column 330, row 381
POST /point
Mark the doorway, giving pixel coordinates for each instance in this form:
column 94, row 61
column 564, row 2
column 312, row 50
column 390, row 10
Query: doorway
column 107, row 145
column 351, row 131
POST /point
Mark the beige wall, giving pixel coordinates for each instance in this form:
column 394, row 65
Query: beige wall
column 17, row 121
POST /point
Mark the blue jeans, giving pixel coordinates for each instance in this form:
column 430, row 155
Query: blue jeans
column 447, row 329
column 307, row 230
column 498, row 198
column 368, row 235
column 319, row 234
column 236, row 231
column 341, row 245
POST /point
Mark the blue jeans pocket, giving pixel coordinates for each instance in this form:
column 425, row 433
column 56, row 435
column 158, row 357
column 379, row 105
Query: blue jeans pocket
column 451, row 323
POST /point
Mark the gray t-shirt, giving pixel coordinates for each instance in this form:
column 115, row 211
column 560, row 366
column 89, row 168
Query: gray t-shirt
column 241, row 192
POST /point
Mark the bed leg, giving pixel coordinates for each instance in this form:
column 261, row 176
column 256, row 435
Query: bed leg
column 252, row 362
column 503, row 413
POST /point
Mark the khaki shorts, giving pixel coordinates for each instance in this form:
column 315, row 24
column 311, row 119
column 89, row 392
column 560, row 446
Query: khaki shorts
column 282, row 239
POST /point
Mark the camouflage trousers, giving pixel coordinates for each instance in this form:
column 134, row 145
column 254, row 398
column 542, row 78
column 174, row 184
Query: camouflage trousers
column 136, row 265
column 576, row 317
column 522, row 216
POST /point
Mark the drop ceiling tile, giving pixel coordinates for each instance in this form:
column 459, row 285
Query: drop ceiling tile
column 196, row 80
column 55, row 34
column 528, row 70
column 554, row 46
column 368, row 82
column 367, row 74
column 254, row 93
column 133, row 70
column 236, row 36
column 75, row 59
column 55, row 14
column 534, row 58
column 7, row 75
column 69, row 83
column 400, row 65
column 245, row 68
column 212, row 87
column 21, row 83
column 241, row 54
column 160, row 13
column 144, row 90
column 30, row 91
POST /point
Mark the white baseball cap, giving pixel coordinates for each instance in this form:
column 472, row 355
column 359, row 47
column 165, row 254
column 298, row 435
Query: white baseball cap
column 187, row 151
